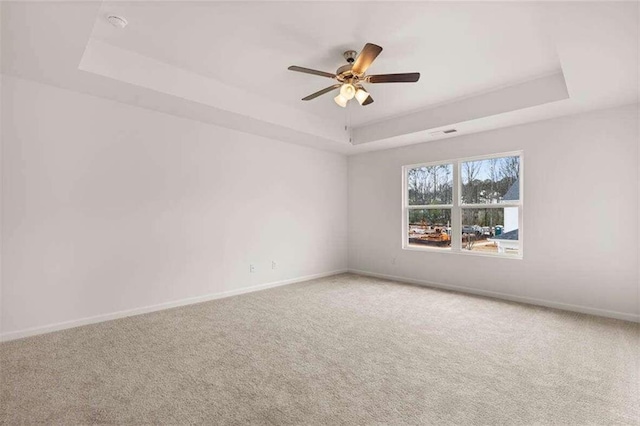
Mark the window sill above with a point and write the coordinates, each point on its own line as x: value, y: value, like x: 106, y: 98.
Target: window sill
x: 462, y: 252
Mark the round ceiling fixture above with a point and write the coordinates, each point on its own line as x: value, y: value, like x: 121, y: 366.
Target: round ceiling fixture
x: 117, y: 21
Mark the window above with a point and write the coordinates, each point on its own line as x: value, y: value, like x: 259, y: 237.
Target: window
x: 430, y: 199
x: 469, y: 205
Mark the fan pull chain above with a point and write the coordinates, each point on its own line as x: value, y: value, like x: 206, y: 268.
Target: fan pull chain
x: 347, y: 125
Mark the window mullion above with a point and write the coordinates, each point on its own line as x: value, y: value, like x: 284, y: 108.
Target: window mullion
x: 456, y: 217
x: 490, y: 206
x: 430, y: 206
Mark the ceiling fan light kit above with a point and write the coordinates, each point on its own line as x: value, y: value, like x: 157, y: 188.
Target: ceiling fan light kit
x: 351, y: 76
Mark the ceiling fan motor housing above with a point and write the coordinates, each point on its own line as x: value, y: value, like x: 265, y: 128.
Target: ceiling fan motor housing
x: 344, y: 74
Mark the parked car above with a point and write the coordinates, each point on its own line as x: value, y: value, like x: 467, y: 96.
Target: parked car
x: 487, y: 231
x: 471, y: 229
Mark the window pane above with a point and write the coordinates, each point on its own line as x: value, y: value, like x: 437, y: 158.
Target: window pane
x: 430, y: 185
x: 491, y: 230
x: 430, y: 228
x: 490, y: 181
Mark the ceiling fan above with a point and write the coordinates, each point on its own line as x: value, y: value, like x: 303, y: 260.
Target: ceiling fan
x: 352, y: 76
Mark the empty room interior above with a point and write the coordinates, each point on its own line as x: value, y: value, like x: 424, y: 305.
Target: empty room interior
x: 319, y: 213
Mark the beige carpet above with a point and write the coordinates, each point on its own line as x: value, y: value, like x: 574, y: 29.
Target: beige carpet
x: 340, y: 350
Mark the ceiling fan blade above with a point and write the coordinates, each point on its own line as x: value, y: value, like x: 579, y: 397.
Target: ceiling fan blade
x: 368, y: 54
x: 321, y: 92
x: 310, y: 71
x: 367, y: 101
x: 410, y: 77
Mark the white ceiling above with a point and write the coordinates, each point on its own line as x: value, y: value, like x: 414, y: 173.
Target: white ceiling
x: 251, y: 46
x: 227, y: 62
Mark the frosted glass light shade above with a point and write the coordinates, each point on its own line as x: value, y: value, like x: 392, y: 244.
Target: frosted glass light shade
x: 361, y: 95
x: 348, y: 91
x: 341, y: 100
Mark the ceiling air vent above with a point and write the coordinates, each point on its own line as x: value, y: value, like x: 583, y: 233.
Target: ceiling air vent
x: 442, y: 132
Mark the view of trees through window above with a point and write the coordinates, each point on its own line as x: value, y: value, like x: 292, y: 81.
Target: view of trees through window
x: 489, y: 204
x: 488, y: 181
x: 483, y: 217
x: 429, y: 185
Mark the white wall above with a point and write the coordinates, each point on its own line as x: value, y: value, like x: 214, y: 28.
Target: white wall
x: 580, y: 214
x: 108, y: 207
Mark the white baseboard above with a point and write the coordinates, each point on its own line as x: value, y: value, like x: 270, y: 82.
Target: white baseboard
x: 13, y: 335
x: 530, y: 301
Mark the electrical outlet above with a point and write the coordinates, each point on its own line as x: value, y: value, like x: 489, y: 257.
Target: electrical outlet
x: 252, y: 268
x: 393, y: 260
x: 273, y: 264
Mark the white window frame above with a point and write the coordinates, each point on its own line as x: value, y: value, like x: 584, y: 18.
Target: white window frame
x: 457, y: 207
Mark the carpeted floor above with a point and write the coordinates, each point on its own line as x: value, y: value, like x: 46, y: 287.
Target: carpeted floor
x: 340, y: 350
